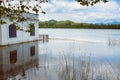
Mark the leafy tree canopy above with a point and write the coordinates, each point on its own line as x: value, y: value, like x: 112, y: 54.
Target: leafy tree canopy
x: 90, y: 2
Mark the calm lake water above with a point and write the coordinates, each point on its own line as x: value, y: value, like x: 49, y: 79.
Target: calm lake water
x: 69, y: 54
x: 100, y: 44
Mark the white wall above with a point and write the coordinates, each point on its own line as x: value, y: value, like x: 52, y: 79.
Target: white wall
x: 0, y: 35
x: 21, y: 35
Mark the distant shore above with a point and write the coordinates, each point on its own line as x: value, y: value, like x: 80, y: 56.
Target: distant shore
x: 71, y: 24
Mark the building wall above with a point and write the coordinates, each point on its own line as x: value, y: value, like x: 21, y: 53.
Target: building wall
x: 0, y: 35
x: 22, y: 36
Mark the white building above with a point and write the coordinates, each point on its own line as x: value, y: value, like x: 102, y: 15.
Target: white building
x: 9, y: 34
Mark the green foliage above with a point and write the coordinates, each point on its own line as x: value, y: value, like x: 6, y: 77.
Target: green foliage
x: 90, y: 2
x: 17, y: 28
x: 31, y: 25
x: 30, y: 28
x: 15, y: 11
x: 2, y: 22
x: 43, y: 12
x: 70, y: 24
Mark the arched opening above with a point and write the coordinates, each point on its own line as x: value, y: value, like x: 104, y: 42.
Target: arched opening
x: 32, y: 33
x: 12, y: 31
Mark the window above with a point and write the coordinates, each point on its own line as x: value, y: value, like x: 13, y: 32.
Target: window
x: 32, y: 50
x: 12, y: 31
x: 32, y: 33
x: 13, y: 57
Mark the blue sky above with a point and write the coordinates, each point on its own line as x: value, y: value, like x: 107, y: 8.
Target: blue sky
x: 71, y: 10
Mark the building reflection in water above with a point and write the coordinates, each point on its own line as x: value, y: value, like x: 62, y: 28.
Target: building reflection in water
x: 16, y: 60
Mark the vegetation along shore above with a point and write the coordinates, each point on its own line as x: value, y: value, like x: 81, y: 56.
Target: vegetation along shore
x: 71, y: 24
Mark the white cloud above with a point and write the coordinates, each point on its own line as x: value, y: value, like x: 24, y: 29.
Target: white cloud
x: 66, y: 10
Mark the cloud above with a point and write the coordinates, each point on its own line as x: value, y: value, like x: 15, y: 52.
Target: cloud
x: 71, y: 10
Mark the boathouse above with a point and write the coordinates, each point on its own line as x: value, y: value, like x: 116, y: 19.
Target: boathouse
x: 10, y: 35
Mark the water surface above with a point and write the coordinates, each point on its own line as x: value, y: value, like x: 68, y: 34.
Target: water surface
x: 69, y: 54
x: 96, y: 50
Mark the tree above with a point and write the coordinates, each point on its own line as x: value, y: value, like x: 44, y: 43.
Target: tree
x: 15, y: 11
x: 90, y: 2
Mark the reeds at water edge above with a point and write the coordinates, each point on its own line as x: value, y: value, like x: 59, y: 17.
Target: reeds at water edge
x: 85, y: 69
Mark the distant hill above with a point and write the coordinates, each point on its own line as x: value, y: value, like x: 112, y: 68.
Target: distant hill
x: 115, y: 22
x: 70, y: 24
x: 52, y: 21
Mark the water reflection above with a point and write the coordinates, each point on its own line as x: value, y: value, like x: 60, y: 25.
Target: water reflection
x: 114, y: 42
x: 59, y: 60
x: 69, y: 60
x: 19, y: 61
x: 103, y: 64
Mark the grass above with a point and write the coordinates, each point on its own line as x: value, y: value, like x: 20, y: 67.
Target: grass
x: 84, y: 69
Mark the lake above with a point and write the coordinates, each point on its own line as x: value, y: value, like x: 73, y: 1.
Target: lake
x: 101, y: 44
x: 82, y: 54
x: 69, y: 54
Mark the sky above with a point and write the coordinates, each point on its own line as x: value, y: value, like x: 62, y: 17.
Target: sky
x: 71, y: 10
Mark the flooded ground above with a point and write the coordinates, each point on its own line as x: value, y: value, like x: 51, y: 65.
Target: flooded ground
x: 70, y: 56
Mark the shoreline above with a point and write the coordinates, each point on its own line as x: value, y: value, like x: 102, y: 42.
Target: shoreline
x: 80, y: 28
